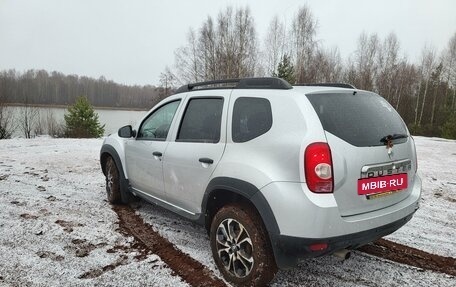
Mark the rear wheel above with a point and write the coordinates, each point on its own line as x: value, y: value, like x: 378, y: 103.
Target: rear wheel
x: 241, y: 247
x: 112, y: 181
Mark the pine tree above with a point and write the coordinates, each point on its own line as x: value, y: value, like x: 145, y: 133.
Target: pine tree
x: 82, y: 121
x: 285, y: 70
x: 4, y: 134
x: 449, y: 128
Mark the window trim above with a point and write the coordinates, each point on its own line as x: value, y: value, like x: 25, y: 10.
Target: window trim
x: 153, y: 112
x: 183, y: 116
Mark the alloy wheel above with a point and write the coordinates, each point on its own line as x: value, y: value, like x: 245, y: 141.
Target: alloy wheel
x: 234, y: 247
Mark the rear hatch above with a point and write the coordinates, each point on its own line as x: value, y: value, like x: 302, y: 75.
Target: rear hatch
x: 372, y: 151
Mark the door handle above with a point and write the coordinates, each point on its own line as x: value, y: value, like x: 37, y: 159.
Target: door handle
x: 206, y: 160
x: 157, y: 153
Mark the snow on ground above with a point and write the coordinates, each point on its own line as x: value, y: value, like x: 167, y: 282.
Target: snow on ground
x: 360, y: 270
x: 56, y: 226
x: 433, y: 228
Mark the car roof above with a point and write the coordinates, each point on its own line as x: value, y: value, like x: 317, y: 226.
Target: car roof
x: 263, y: 83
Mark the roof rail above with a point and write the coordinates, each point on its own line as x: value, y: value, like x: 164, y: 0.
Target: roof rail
x: 335, y: 85
x: 244, y: 83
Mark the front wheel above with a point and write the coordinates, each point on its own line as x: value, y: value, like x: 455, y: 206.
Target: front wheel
x: 112, y: 181
x: 241, y: 247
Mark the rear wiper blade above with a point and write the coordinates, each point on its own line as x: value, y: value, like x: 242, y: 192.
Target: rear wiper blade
x: 388, y: 138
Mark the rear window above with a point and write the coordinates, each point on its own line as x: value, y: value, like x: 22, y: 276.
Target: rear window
x: 362, y: 119
x: 202, y: 120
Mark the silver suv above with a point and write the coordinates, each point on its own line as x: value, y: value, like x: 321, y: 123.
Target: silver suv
x: 276, y: 173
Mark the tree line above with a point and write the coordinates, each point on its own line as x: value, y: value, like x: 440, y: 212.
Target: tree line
x: 424, y: 93
x: 38, y: 87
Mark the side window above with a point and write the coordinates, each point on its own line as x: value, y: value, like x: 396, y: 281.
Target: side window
x: 156, y: 126
x: 252, y: 117
x: 201, y: 121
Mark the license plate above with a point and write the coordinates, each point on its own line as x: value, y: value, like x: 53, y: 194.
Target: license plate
x: 381, y: 184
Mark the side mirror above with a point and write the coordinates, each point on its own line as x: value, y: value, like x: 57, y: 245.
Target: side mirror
x: 126, y: 132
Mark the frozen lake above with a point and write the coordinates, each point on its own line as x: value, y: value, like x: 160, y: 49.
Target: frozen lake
x: 112, y: 119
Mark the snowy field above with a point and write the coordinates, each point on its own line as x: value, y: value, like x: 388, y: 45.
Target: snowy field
x: 56, y: 228
x: 433, y: 228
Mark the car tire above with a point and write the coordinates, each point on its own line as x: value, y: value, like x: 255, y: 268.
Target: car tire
x: 241, y: 247
x: 112, y: 182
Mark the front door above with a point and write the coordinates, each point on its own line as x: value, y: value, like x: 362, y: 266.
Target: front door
x: 144, y: 154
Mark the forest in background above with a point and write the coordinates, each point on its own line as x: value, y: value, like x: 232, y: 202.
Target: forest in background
x: 39, y: 87
x: 228, y: 46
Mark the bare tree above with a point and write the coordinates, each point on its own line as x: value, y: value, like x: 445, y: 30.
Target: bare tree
x: 274, y: 44
x: 188, y: 60
x: 208, y: 47
x: 427, y: 66
x: 435, y: 80
x: 6, y: 121
x: 39, y: 128
x: 303, y: 43
x: 449, y: 70
x: 6, y: 114
x: 387, y: 82
x: 247, y: 43
x: 406, y: 82
x: 327, y: 65
x: 237, y: 43
x: 406, y: 90
x: 28, y: 117
x: 225, y: 48
x: 168, y: 81
x: 53, y: 127
x: 363, y: 69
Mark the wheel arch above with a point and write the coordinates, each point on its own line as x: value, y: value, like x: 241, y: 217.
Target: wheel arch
x: 224, y: 190
x: 106, y: 151
x: 109, y: 151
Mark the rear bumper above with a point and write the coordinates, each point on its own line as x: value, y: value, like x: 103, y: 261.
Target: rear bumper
x: 290, y: 250
x: 304, y: 218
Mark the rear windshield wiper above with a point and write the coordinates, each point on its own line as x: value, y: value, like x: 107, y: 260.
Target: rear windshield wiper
x: 390, y: 138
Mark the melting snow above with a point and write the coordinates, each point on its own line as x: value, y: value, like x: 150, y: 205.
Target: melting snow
x: 56, y: 227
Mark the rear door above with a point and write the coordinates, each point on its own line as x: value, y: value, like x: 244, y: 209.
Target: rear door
x: 198, y: 146
x: 373, y: 153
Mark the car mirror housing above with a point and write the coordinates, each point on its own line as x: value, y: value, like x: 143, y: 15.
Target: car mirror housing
x: 126, y: 132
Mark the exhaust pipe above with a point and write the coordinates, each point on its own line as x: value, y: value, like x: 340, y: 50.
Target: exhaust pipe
x: 343, y: 254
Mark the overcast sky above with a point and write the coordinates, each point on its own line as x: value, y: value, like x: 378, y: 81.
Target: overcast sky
x: 131, y: 42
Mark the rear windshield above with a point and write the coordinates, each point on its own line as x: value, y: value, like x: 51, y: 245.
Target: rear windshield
x: 362, y: 119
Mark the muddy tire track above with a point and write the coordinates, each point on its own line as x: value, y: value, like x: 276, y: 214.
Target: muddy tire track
x: 410, y: 256
x: 196, y: 274
x: 190, y: 270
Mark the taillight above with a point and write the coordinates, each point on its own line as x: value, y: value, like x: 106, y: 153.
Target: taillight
x: 318, y: 168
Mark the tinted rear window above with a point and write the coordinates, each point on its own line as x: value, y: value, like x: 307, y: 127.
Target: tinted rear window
x: 361, y: 120
x: 202, y: 120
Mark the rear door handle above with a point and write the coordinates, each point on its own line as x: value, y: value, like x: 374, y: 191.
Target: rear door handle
x: 157, y: 153
x: 206, y: 160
